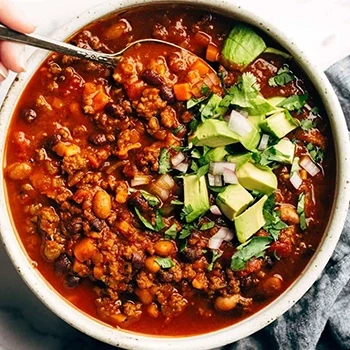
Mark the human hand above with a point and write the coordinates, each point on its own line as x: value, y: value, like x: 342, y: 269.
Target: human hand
x: 12, y: 55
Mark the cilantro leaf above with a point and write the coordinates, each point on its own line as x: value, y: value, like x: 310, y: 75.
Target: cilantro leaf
x: 171, y: 232
x: 145, y: 222
x: 316, y: 153
x: 207, y: 226
x: 186, y: 210
x: 301, y: 211
x: 202, y: 170
x: 307, y: 124
x: 164, y: 161
x: 153, y: 201
x: 165, y: 263
x: 273, y: 223
x: 178, y: 129
x: 215, y: 256
x: 185, y: 232
x: 283, y: 77
x: 159, y: 225
x: 294, y: 102
x: 254, y: 247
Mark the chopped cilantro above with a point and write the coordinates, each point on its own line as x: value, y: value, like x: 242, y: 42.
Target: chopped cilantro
x: 146, y: 223
x: 186, y: 231
x: 294, y: 102
x: 186, y: 210
x: 254, y: 247
x: 217, y: 189
x: 215, y: 256
x: 164, y: 263
x: 301, y: 211
x: 164, y: 161
x: 283, y: 76
x: 207, y: 226
x: 268, y: 156
x: 153, y: 201
x: 159, y: 225
x: 195, y: 101
x: 315, y: 110
x: 171, y: 232
x: 315, y: 152
x: 203, y: 170
x: 176, y: 202
x: 178, y: 129
x: 273, y: 223
x: 307, y: 124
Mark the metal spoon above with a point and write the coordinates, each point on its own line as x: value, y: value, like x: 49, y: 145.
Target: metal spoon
x: 68, y: 49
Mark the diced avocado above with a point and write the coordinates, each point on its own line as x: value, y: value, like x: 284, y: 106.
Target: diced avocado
x: 251, y: 140
x: 250, y: 221
x: 217, y: 154
x: 212, y: 108
x: 260, y: 106
x: 279, y: 124
x: 242, y: 46
x: 256, y: 120
x: 278, y: 52
x: 239, y: 159
x: 257, y: 178
x: 233, y: 200
x: 214, y: 133
x: 285, y: 150
x: 275, y: 100
x: 196, y: 196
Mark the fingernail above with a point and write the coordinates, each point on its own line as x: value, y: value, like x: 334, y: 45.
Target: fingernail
x: 3, y: 73
x: 23, y: 61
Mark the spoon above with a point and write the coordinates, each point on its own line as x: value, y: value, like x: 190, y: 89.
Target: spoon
x: 68, y: 49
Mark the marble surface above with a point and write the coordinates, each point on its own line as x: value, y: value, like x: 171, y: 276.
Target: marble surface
x: 321, y: 27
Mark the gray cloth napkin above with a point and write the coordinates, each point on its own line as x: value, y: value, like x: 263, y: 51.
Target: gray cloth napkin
x: 321, y: 319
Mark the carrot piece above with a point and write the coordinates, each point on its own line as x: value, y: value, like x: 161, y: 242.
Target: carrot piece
x: 182, y: 91
x: 201, y: 67
x: 212, y: 53
x: 202, y: 39
x: 84, y: 249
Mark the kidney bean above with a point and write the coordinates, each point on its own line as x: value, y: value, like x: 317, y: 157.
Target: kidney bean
x: 98, y: 139
x: 28, y: 114
x: 114, y: 110
x: 62, y: 264
x: 72, y: 281
x: 151, y: 77
x: 166, y: 93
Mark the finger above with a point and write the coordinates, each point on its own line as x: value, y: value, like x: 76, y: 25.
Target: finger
x: 13, y: 17
x: 3, y: 72
x: 12, y: 56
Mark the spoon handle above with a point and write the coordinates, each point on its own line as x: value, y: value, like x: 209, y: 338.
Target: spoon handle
x: 54, y: 45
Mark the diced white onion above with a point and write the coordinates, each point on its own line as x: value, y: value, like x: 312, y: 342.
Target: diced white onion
x: 230, y: 176
x: 162, y: 193
x: 309, y: 166
x: 214, y: 209
x: 217, y: 180
x: 263, y: 142
x: 211, y: 179
x: 224, y: 234
x: 296, y: 180
x: 239, y: 124
x: 217, y: 168
x: 140, y: 180
x: 177, y: 159
x: 182, y: 167
x: 165, y: 181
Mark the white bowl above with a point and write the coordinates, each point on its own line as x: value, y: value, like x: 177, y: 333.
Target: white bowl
x: 130, y: 340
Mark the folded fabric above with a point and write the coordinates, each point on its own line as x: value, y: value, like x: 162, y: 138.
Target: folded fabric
x: 321, y: 319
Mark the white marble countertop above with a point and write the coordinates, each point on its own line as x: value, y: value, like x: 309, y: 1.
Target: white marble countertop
x: 321, y: 27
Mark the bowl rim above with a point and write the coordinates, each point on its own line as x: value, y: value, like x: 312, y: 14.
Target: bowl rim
x: 125, y: 339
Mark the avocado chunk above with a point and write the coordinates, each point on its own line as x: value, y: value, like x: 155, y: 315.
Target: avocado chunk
x: 277, y: 52
x: 257, y: 178
x: 260, y: 106
x: 196, y: 197
x: 214, y: 133
x: 212, y: 108
x: 242, y: 46
x: 285, y: 150
x: 251, y: 140
x: 250, y: 221
x: 233, y: 200
x: 280, y: 124
x: 217, y: 154
x: 239, y: 159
